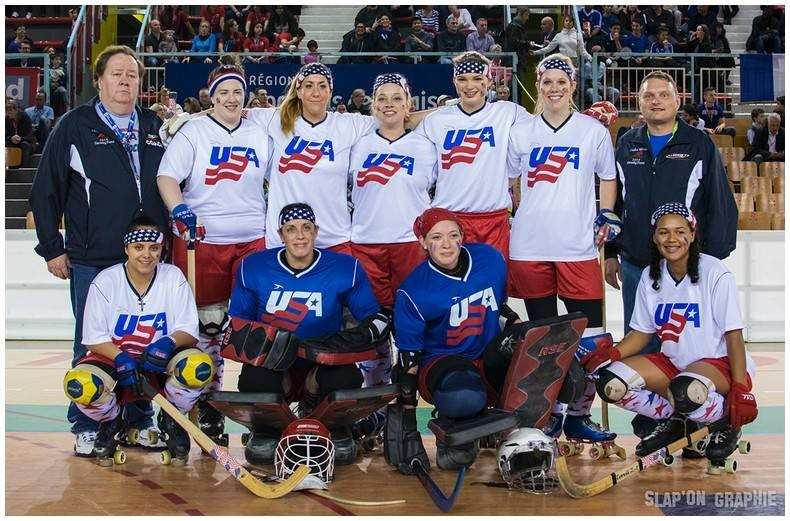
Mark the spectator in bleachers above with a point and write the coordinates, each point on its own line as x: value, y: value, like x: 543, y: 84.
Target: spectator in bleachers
x: 231, y: 40
x: 57, y: 85
x: 728, y: 12
x: 609, y: 17
x: 713, y: 114
x: 204, y: 41
x: 288, y: 42
x: 613, y: 42
x: 204, y: 99
x: 387, y: 39
x: 690, y: 115
x: 312, y: 55
x: 758, y: 122
x: 169, y: 45
x: 24, y: 49
x: 704, y: 16
x: 450, y: 41
x: 567, y: 42
x: 766, y: 29
x: 159, y: 110
x: 283, y: 21
x: 429, y: 18
x: 43, y: 117
x: 358, y: 40
x: 263, y: 98
x: 191, y: 105
x: 240, y: 15
x: 592, y: 15
x: 256, y: 15
x: 516, y: 39
x: 215, y: 16
x: 658, y: 17
x: 19, y: 131
x: 152, y: 40
x: 175, y: 18
x: 418, y: 40
x: 779, y: 108
x: 341, y: 108
x: 480, y: 40
x: 502, y: 92
x: 359, y: 102
x: 462, y: 18
x: 769, y: 142
x: 165, y: 99
x: 254, y: 103
x: 636, y: 40
x: 369, y: 15
x: 547, y: 32
x: 611, y: 93
x: 633, y: 13
x: 20, y: 36
x: 257, y: 42
x: 662, y: 45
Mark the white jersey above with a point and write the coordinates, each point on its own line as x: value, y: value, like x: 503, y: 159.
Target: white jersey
x: 690, y: 319
x: 114, y: 312
x: 554, y: 221
x: 472, y: 151
x: 390, y: 181
x: 224, y: 173
x: 311, y: 166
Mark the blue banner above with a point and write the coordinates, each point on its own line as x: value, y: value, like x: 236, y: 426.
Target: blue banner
x: 757, y: 77
x: 427, y: 81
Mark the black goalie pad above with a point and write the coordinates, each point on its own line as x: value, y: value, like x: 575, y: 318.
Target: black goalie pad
x: 251, y: 342
x: 335, y: 351
x: 253, y: 410
x: 454, y: 432
x: 345, y: 407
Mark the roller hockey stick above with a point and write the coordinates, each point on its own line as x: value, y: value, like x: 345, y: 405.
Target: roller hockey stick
x: 444, y: 503
x: 221, y: 454
x: 664, y: 454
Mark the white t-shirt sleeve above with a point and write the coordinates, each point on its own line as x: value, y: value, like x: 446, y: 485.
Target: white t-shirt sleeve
x: 725, y: 305
x: 185, y: 317
x: 422, y: 129
x: 640, y: 318
x: 604, y: 160
x: 94, y: 323
x: 179, y: 158
x: 521, y: 114
x: 514, y: 152
x: 261, y: 116
x: 362, y: 125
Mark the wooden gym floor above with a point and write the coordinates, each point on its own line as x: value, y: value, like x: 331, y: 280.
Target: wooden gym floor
x: 44, y: 478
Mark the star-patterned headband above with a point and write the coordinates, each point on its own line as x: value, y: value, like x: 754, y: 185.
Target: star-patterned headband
x: 144, y: 235
x: 674, y: 208
x: 224, y: 77
x: 314, y: 68
x: 556, y: 63
x: 471, y: 67
x: 296, y: 211
x: 391, y: 77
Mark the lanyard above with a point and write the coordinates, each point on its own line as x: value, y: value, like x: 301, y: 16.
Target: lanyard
x: 124, y: 137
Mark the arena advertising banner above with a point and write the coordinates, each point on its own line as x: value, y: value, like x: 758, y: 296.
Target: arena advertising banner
x: 428, y: 81
x: 21, y: 84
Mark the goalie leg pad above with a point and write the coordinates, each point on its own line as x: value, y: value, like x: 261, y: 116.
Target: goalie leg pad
x: 402, y: 440
x: 688, y: 392
x: 336, y: 377
x: 616, y: 380
x: 574, y: 385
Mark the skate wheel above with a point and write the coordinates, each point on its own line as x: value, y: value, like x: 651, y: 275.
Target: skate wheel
x: 245, y: 437
x: 119, y: 458
x: 565, y: 448
x: 104, y: 462
x: 744, y: 446
x: 165, y: 458
x: 713, y: 469
x: 668, y: 460
x: 700, y: 445
x: 133, y: 435
x: 730, y: 466
x: 578, y: 448
x: 596, y: 453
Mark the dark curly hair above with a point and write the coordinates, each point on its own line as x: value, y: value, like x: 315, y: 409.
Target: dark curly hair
x: 692, y: 268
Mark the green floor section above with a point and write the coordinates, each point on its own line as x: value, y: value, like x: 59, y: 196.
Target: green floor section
x: 52, y: 418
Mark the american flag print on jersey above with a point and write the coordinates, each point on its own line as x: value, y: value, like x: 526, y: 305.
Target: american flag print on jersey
x: 468, y: 315
x: 303, y: 155
x: 287, y: 309
x: 462, y: 146
x: 671, y: 319
x: 229, y: 163
x: 380, y: 168
x: 547, y: 163
x: 133, y: 333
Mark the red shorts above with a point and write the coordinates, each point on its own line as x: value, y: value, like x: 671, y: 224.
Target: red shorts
x: 343, y: 247
x: 388, y: 265
x: 215, y: 266
x: 422, y: 381
x: 490, y: 228
x: 666, y: 366
x: 578, y: 280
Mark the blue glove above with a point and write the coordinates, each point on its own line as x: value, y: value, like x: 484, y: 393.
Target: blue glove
x: 157, y: 354
x: 612, y: 223
x: 185, y: 220
x: 126, y: 369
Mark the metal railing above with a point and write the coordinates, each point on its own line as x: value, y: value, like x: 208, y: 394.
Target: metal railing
x: 76, y: 46
x: 140, y: 45
x: 43, y: 78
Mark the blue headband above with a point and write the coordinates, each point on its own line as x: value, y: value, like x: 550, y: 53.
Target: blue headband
x: 314, y: 68
x: 296, y: 211
x: 144, y: 235
x: 392, y: 77
x: 673, y: 208
x: 556, y: 63
x: 470, y: 67
x: 227, y: 76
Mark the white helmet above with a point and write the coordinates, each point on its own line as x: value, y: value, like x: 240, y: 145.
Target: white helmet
x: 526, y: 461
x: 305, y: 442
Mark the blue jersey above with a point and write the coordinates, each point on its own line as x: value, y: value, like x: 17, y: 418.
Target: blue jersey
x: 445, y: 315
x: 310, y: 302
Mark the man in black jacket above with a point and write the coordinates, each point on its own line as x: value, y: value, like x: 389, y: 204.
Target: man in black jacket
x: 769, y: 141
x: 450, y: 41
x: 19, y: 130
x: 99, y: 171
x: 664, y: 161
x: 358, y: 40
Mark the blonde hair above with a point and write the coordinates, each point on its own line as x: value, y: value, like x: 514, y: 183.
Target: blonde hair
x: 539, y: 98
x: 290, y: 108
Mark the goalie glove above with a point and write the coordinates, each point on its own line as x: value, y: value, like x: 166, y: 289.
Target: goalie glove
x: 604, y: 112
x: 171, y: 126
x: 606, y: 226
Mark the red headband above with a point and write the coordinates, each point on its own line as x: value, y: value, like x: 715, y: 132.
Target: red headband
x: 429, y: 218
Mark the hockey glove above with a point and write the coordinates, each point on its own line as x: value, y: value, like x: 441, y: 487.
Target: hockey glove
x: 126, y: 369
x: 157, y: 354
x: 741, y: 405
x: 186, y: 222
x: 606, y: 226
x: 604, y: 112
x: 171, y: 126
x: 599, y: 358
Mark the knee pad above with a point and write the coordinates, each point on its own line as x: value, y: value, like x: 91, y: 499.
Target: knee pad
x: 616, y: 380
x: 689, y: 391
x: 574, y: 384
x: 213, y: 319
x: 88, y: 384
x: 457, y: 388
x: 337, y: 377
x: 191, y: 368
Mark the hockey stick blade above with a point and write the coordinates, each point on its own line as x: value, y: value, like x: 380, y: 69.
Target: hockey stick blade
x: 578, y: 491
x: 222, y: 456
x: 444, y: 503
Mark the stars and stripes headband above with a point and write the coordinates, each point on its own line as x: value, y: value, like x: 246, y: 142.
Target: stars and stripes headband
x: 314, y: 68
x: 144, y: 235
x: 224, y: 77
x: 296, y: 211
x: 471, y: 67
x: 392, y: 77
x: 556, y: 63
x: 674, y: 208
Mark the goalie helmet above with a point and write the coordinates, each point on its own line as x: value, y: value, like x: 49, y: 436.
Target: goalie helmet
x: 305, y: 442
x: 526, y: 461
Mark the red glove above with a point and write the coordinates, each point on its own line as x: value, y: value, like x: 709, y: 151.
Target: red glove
x: 741, y: 405
x: 603, y: 111
x: 601, y: 357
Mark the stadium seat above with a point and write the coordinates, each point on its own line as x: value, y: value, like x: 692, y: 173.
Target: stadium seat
x: 13, y: 157
x: 731, y: 154
x: 744, y: 202
x: 740, y: 169
x: 772, y: 169
x: 778, y: 221
x: 779, y: 185
x: 754, y: 221
x: 722, y: 140
x: 770, y: 203
x: 756, y: 185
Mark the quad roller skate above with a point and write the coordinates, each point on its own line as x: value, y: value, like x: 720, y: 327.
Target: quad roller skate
x: 580, y: 431
x: 106, y: 444
x: 176, y: 439
x: 146, y: 437
x: 722, y: 444
x: 369, y: 431
x: 211, y: 422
